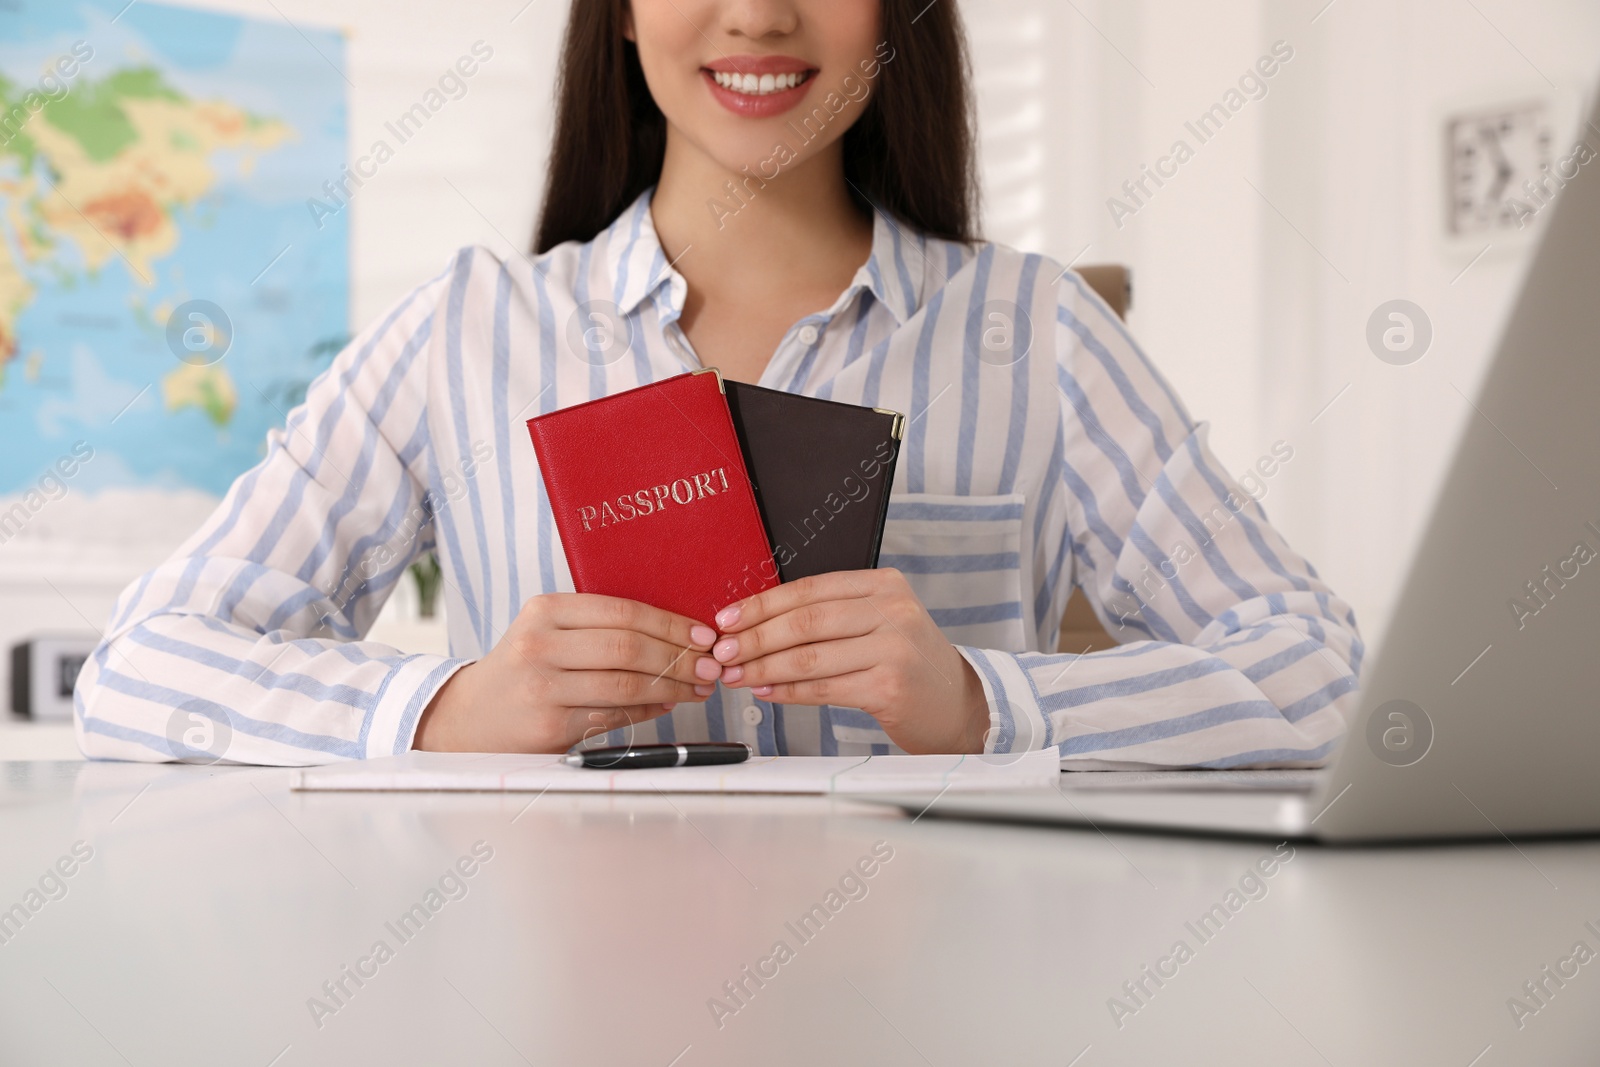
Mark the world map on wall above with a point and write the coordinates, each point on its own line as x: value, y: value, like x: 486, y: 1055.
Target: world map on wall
x: 164, y: 295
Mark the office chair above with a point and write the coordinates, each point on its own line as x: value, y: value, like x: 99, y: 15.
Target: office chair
x: 1081, y: 630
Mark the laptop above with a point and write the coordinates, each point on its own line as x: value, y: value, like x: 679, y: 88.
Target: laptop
x: 1480, y: 714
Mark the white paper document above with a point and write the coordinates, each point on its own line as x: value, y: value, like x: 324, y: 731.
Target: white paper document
x: 459, y: 772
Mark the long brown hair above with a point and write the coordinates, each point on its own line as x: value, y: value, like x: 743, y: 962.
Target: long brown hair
x: 911, y: 152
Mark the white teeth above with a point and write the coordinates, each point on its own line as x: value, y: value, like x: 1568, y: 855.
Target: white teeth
x: 751, y: 85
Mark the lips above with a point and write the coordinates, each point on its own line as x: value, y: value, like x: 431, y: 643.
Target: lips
x: 758, y: 86
x: 760, y: 65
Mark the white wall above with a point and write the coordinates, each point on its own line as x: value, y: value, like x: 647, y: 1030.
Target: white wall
x: 1256, y: 329
x: 1379, y: 459
x: 1260, y: 326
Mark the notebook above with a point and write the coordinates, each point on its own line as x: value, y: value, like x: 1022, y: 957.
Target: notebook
x: 474, y: 772
x: 651, y: 497
x: 822, y: 472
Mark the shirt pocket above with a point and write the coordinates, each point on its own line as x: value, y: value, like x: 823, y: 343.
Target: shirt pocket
x: 962, y: 556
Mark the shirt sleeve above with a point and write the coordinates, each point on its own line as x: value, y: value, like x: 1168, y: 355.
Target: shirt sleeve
x: 246, y: 645
x: 1232, y: 651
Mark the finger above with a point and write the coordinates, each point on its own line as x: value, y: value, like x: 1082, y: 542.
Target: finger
x: 835, y: 585
x: 825, y: 659
x: 591, y: 611
x: 627, y: 650
x: 810, y: 623
x: 841, y: 690
x: 620, y: 689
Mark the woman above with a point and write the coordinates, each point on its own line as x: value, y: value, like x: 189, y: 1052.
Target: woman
x: 783, y: 189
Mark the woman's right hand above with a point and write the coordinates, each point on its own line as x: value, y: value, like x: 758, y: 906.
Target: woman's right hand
x: 570, y: 666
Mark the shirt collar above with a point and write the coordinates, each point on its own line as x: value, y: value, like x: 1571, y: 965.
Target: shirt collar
x: 894, y: 273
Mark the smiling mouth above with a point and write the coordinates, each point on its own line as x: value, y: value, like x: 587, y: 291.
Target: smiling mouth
x: 760, y: 84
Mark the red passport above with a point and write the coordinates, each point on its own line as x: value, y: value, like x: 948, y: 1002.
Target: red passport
x: 652, y: 499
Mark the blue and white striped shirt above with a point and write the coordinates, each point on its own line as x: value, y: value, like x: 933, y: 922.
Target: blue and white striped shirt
x: 1035, y: 460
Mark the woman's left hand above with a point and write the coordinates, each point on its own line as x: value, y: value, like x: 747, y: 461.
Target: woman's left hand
x: 856, y: 639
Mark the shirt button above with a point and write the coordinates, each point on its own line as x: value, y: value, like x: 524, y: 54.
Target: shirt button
x: 752, y: 715
x: 808, y: 334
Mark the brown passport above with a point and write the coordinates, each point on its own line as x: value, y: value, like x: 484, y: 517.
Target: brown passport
x: 652, y: 499
x: 822, y: 472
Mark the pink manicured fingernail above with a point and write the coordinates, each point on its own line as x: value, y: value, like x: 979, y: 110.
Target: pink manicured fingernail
x: 704, y: 690
x: 728, y: 616
x: 702, y: 635
x: 708, y: 669
x: 726, y: 649
x: 732, y: 674
x: 762, y: 690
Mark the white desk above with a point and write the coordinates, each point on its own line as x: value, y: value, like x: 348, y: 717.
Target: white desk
x: 216, y: 903
x: 25, y: 739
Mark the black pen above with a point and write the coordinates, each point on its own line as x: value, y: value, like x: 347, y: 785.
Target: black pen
x: 640, y: 757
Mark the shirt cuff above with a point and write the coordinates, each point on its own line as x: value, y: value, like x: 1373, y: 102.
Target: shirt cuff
x: 401, y: 699
x: 1016, y: 721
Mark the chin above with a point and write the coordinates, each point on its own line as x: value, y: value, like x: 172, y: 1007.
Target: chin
x: 767, y: 148
x: 755, y: 155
